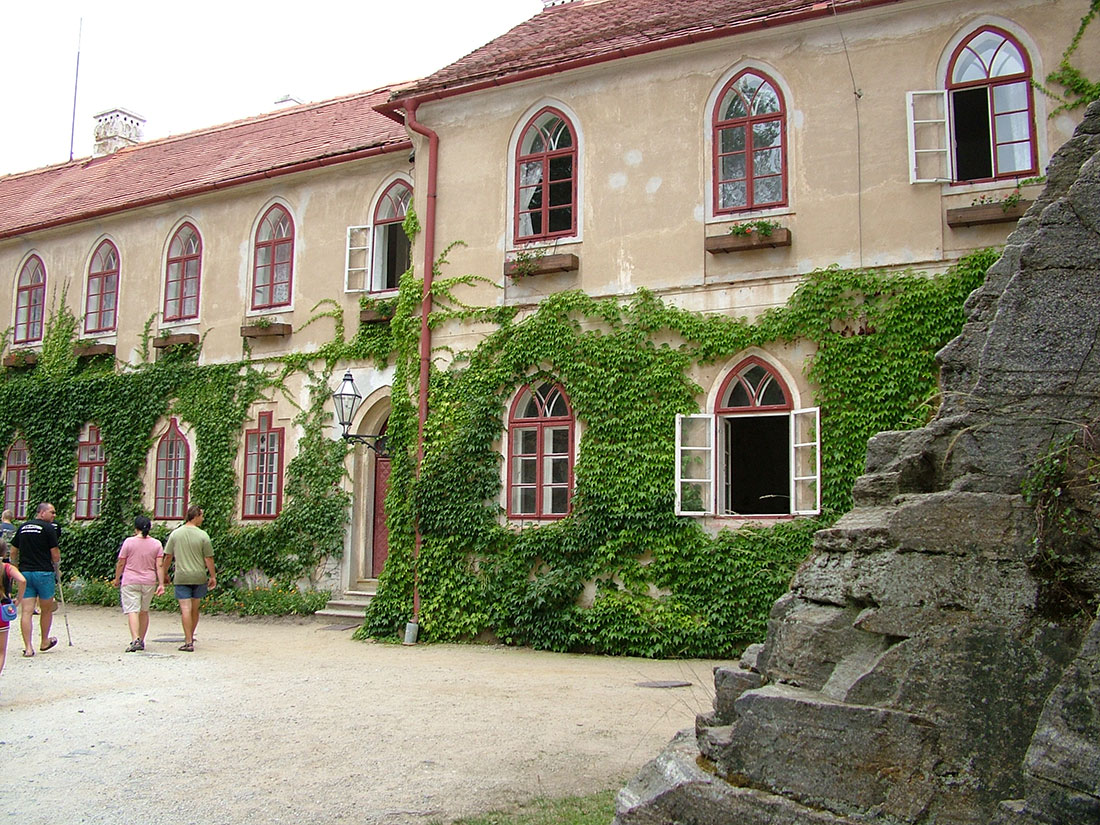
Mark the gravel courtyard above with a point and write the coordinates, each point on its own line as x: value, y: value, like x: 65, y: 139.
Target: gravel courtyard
x: 290, y: 721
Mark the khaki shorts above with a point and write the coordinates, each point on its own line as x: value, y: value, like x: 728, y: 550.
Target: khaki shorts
x: 136, y: 598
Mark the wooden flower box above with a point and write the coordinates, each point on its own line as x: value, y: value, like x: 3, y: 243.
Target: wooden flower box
x: 272, y: 330
x: 25, y: 358
x: 375, y: 316
x: 177, y: 339
x: 86, y: 350
x: 715, y: 244
x: 564, y: 262
x: 982, y: 213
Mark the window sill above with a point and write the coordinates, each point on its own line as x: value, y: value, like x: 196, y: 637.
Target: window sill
x: 92, y: 350
x: 717, y: 244
x: 986, y: 213
x: 565, y: 262
x: 174, y: 340
x: 264, y: 330
x: 26, y: 358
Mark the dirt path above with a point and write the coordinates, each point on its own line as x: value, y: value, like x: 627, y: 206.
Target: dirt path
x: 285, y: 721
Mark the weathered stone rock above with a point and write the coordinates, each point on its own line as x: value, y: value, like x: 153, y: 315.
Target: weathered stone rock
x: 832, y: 755
x: 996, y: 526
x: 674, y: 790
x: 991, y: 590
x: 751, y: 656
x: 1066, y: 747
x: 729, y: 683
x: 806, y: 640
x: 984, y: 686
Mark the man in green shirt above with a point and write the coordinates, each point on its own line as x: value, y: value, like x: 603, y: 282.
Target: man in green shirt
x: 190, y: 546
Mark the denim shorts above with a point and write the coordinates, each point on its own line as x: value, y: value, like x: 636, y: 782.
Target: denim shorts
x: 40, y: 584
x: 190, y: 591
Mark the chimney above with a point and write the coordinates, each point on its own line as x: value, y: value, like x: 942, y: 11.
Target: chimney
x: 116, y: 129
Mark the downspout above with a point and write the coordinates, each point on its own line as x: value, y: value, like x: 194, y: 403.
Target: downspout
x: 425, y: 332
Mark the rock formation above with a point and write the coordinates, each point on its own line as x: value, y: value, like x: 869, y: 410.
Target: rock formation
x: 937, y: 658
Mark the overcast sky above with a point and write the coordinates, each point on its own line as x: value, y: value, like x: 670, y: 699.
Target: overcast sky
x: 185, y: 66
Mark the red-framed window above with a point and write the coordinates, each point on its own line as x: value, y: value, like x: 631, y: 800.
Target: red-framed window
x: 992, y: 107
x: 263, y: 470
x: 17, y: 468
x: 273, y: 269
x: 91, y: 474
x: 750, y: 145
x: 30, y: 301
x: 755, y: 455
x: 546, y: 178
x: 392, y: 249
x: 173, y: 461
x: 540, y: 459
x: 181, y: 275
x: 101, y: 306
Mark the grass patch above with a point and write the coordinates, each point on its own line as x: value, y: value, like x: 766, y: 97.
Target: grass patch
x: 596, y: 809
x: 258, y: 601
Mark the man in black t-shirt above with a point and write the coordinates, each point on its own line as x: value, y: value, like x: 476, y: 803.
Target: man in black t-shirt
x: 39, y: 560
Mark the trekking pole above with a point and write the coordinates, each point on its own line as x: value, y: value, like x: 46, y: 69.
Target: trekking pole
x: 64, y: 611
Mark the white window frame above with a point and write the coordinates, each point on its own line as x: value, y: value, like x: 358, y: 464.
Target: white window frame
x: 365, y: 248
x: 707, y: 452
x: 797, y: 450
x: 929, y: 125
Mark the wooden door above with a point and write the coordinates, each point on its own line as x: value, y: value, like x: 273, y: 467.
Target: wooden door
x: 379, y: 533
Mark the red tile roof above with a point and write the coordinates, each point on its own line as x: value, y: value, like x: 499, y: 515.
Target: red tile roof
x: 289, y: 140
x: 592, y: 31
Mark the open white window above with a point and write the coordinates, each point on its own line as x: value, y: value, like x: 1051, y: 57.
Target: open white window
x: 357, y: 262
x: 694, y: 465
x: 981, y: 126
x: 755, y: 456
x: 929, y: 144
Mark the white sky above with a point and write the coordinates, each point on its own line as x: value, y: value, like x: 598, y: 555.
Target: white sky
x: 185, y: 66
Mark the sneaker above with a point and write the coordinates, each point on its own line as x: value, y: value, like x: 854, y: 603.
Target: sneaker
x: 132, y: 647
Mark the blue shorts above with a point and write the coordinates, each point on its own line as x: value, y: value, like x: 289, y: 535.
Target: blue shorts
x: 40, y: 584
x: 190, y: 591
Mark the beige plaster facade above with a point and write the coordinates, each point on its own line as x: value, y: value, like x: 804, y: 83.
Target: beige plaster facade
x: 644, y: 207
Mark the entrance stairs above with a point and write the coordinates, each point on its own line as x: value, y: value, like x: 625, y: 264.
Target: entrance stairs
x: 352, y: 605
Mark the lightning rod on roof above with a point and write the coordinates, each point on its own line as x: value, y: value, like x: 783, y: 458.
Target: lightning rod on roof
x: 76, y: 83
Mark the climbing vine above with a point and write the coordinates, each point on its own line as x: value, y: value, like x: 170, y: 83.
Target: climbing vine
x: 662, y: 586
x: 621, y: 574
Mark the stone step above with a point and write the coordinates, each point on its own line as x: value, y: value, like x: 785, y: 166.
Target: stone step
x: 352, y: 605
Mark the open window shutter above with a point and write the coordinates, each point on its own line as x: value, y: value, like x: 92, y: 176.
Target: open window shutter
x: 357, y: 263
x: 694, y: 465
x: 929, y: 137
x: 806, y: 461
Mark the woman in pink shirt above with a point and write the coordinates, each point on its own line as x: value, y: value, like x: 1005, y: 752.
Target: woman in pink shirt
x: 138, y: 569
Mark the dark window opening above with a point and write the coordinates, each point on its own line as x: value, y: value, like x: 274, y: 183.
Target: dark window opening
x: 973, y: 152
x: 757, y: 465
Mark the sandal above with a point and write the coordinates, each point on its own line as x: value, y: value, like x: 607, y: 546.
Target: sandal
x: 28, y: 654
x: 50, y: 644
x: 187, y: 648
x: 132, y: 647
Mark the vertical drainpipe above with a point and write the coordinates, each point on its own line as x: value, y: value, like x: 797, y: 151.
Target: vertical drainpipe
x: 425, y: 330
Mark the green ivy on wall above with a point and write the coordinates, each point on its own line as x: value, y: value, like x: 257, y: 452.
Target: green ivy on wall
x: 658, y: 584
x: 663, y: 587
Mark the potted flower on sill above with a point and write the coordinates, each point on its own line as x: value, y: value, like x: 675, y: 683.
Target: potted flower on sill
x: 374, y: 310
x: 759, y: 234
x: 986, y: 208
